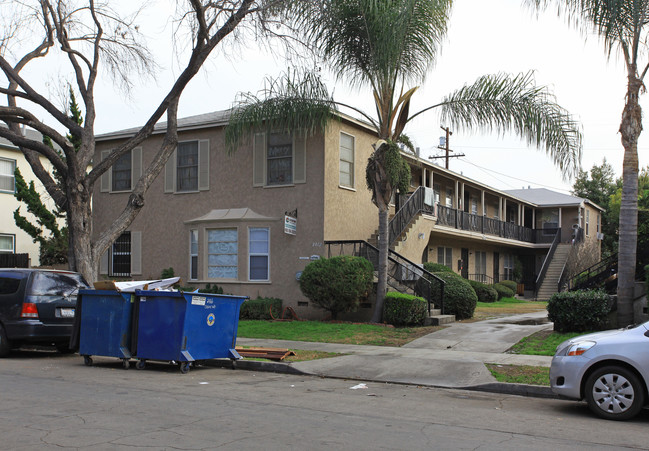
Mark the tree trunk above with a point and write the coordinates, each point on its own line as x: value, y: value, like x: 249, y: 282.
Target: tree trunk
x: 630, y: 129
x: 384, y: 247
x: 80, y: 229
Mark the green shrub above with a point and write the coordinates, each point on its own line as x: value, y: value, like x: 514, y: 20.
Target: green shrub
x: 167, y: 273
x: 402, y: 310
x: 509, y: 284
x: 503, y: 291
x: 337, y: 284
x: 485, y: 293
x: 459, y: 298
x: 261, y: 308
x: 579, y: 311
x: 214, y: 289
x: 436, y: 267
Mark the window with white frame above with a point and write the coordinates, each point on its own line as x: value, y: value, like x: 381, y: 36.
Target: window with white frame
x: 445, y: 256
x: 7, y: 244
x: 122, y: 173
x: 437, y: 189
x: 279, y: 159
x: 346, y: 160
x: 7, y: 178
x: 222, y: 254
x: 187, y: 166
x: 508, y: 266
x: 259, y: 253
x: 193, y: 254
x: 474, y: 206
x: 449, y: 197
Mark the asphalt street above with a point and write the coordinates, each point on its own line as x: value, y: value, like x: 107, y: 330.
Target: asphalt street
x: 49, y: 401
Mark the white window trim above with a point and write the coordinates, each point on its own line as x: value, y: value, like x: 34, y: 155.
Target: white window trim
x: 12, y: 176
x: 193, y: 255
x: 206, y: 254
x: 251, y: 254
x: 13, y: 243
x: 352, y: 175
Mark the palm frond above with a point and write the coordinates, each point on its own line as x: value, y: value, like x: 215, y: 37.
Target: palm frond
x: 513, y: 104
x: 294, y: 101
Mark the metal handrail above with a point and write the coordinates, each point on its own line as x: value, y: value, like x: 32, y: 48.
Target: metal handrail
x: 484, y: 278
x: 415, y: 204
x: 405, y: 274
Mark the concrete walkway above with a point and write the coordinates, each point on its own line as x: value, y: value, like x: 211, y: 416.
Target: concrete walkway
x: 453, y: 357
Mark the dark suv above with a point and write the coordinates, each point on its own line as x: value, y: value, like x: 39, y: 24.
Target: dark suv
x: 37, y: 306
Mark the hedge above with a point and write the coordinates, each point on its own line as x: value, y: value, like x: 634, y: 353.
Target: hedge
x: 509, y: 284
x: 485, y: 293
x: 503, y: 291
x: 579, y: 311
x: 402, y: 310
x: 260, y: 308
x: 436, y: 267
x: 459, y: 298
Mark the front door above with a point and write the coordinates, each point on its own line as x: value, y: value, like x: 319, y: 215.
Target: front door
x: 464, y: 270
x: 496, y: 267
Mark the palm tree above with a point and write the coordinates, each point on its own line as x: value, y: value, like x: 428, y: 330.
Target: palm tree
x: 387, y: 45
x: 623, y: 27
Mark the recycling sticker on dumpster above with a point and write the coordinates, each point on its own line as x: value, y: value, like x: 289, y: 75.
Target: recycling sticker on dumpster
x: 210, y: 319
x: 198, y: 300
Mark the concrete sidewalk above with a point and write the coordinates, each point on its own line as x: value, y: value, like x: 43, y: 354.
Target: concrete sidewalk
x: 453, y: 357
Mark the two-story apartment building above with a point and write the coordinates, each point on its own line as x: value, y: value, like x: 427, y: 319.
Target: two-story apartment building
x: 250, y: 222
x: 14, y: 240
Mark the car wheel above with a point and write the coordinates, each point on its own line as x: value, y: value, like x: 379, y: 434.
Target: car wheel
x: 5, y: 345
x: 614, y: 393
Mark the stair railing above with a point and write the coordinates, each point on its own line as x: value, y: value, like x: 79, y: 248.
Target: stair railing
x: 403, y: 275
x: 409, y: 209
x: 546, y: 262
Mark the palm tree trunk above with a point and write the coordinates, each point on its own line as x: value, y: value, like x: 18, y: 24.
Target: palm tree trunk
x: 383, y: 245
x: 630, y: 129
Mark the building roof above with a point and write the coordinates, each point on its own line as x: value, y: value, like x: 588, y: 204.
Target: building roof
x: 547, y: 198
x: 231, y: 214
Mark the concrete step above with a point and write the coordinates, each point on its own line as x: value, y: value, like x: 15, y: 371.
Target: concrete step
x: 435, y: 311
x: 439, y: 320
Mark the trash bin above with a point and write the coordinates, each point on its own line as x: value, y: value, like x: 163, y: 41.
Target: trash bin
x: 186, y: 327
x: 106, y: 325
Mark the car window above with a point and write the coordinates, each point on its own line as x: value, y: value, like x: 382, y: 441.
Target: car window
x: 9, y: 285
x: 53, y: 283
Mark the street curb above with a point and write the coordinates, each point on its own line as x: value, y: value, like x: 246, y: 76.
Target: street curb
x: 532, y: 391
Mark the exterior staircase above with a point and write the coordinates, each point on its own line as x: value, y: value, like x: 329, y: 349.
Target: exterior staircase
x: 550, y: 284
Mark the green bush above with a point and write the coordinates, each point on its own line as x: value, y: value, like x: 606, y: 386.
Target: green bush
x: 503, y: 291
x: 337, y: 284
x: 214, y: 289
x: 402, y: 310
x: 261, y: 308
x: 436, y: 267
x: 485, y: 293
x: 459, y: 298
x: 167, y: 273
x: 509, y: 284
x: 579, y: 311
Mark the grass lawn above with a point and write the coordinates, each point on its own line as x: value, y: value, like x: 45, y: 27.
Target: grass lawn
x: 505, y: 306
x: 517, y: 374
x: 332, y: 332
x: 544, y: 342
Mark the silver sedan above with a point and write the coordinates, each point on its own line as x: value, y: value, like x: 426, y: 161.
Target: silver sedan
x: 609, y: 369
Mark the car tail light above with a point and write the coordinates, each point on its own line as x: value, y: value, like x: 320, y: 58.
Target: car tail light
x: 29, y: 310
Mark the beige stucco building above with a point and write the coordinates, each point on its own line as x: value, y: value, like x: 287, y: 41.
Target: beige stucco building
x: 251, y: 221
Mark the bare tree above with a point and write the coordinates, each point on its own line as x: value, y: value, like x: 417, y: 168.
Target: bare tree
x: 91, y: 36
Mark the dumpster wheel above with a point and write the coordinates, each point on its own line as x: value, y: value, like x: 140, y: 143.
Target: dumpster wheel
x: 140, y: 365
x: 184, y: 367
x: 87, y: 360
x: 126, y: 363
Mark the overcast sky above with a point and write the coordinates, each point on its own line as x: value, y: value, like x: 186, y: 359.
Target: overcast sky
x: 484, y: 37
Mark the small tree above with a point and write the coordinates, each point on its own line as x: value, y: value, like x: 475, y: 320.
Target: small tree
x: 337, y: 284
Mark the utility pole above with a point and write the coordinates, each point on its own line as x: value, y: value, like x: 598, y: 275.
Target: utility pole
x: 446, y: 147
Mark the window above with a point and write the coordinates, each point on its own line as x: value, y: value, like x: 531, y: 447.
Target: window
x: 599, y: 219
x: 474, y: 206
x: 587, y: 221
x: 259, y: 253
x: 550, y: 220
x: 481, y: 266
x: 346, y: 160
x: 193, y: 254
x: 449, y: 197
x: 445, y: 256
x: 122, y: 173
x: 7, y: 243
x: 279, y: 159
x: 222, y: 254
x: 508, y: 267
x: 121, y: 256
x: 7, y: 179
x: 187, y: 166
x: 437, y: 189
x: 497, y: 210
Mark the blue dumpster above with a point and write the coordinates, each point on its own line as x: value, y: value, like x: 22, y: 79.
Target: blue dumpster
x: 186, y: 327
x: 106, y: 325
